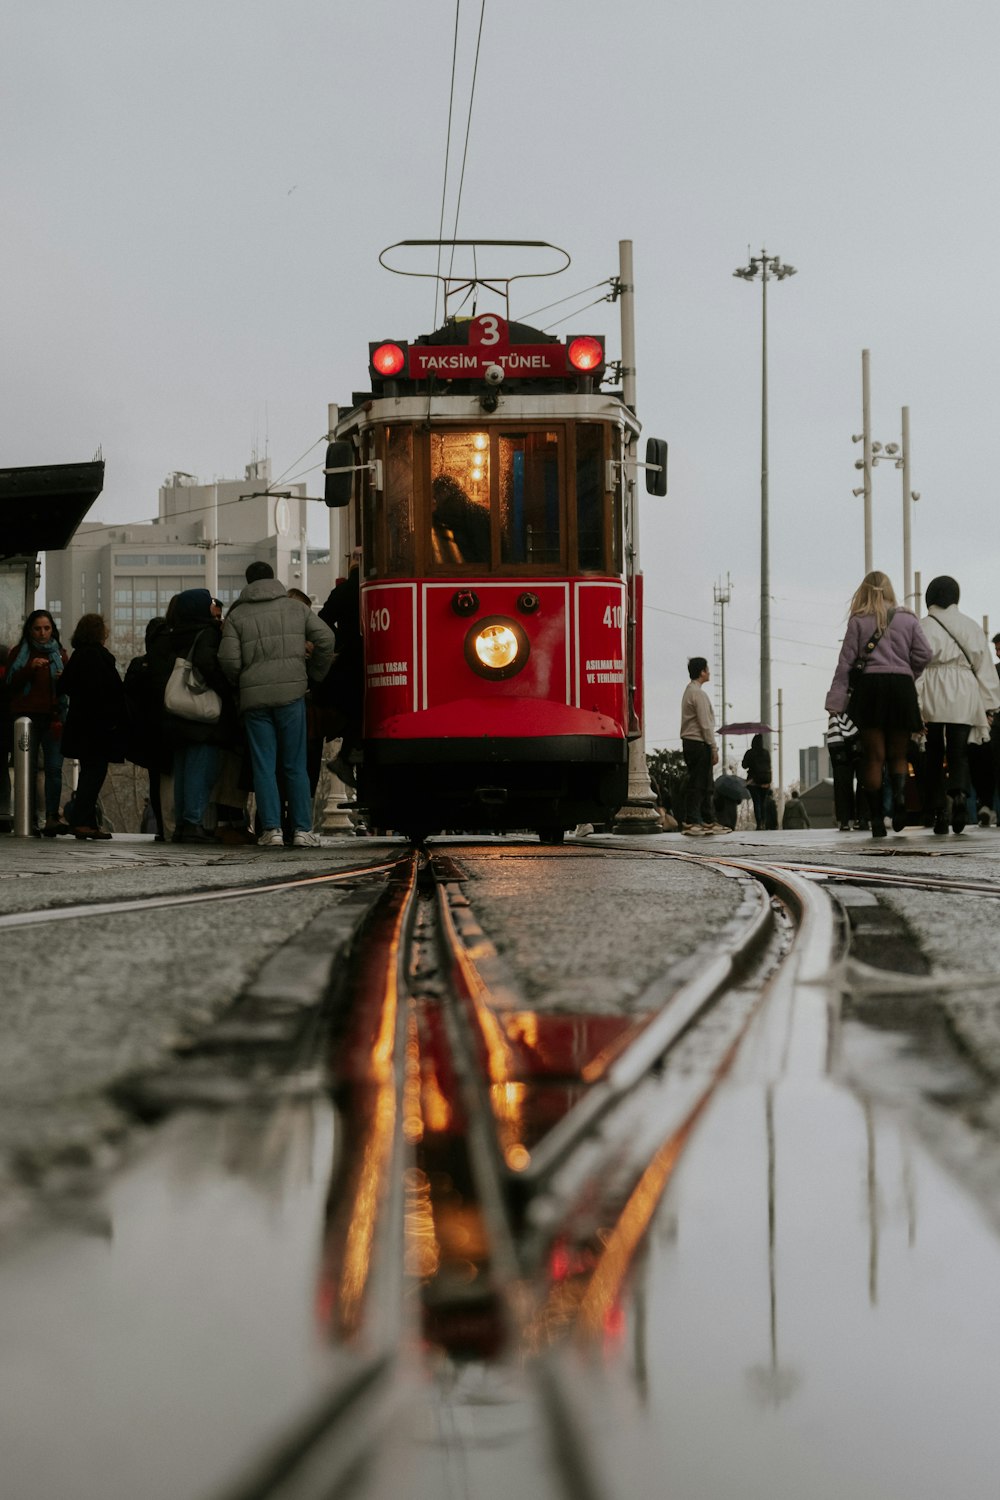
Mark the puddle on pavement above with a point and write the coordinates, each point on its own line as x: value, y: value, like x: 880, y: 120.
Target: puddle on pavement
x: 794, y: 1302
x: 816, y: 1308
x: 811, y: 1313
x: 151, y: 1357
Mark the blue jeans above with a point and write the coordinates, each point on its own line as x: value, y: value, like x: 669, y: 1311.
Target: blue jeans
x: 52, y: 760
x: 277, y: 738
x: 196, y: 768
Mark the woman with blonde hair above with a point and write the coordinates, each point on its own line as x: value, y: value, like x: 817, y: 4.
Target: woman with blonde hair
x: 883, y: 653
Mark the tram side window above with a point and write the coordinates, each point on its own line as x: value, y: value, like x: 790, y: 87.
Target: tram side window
x: 529, y: 498
x: 398, y: 499
x: 369, y: 510
x: 590, y: 496
x: 460, y: 500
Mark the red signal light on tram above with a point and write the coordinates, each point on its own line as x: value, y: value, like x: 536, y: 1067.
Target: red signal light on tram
x: 388, y: 360
x: 585, y: 354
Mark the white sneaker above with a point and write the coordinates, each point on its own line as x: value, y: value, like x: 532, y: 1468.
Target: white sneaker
x: 272, y: 838
x: 302, y: 839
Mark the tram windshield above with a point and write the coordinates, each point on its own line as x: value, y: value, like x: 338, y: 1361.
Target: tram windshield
x: 503, y: 498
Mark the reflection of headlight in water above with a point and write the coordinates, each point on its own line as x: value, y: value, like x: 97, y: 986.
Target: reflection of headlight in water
x: 496, y: 646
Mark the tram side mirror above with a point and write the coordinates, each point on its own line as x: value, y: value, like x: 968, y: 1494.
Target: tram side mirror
x: 339, y: 469
x: 656, y: 466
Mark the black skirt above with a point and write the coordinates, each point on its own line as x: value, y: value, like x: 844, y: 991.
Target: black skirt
x: 886, y: 700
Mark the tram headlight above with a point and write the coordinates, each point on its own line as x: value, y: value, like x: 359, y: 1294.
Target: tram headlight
x: 496, y: 647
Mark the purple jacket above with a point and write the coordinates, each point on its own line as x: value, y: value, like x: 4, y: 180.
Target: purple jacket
x: 902, y: 648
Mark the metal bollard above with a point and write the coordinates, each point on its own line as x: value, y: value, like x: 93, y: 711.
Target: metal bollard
x: 25, y: 755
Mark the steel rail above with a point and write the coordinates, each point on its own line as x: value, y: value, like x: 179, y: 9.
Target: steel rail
x: 186, y: 898
x: 889, y: 878
x: 363, y: 1254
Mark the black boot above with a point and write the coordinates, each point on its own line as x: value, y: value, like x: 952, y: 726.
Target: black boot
x: 875, y: 813
x: 898, y: 801
x: 959, y: 810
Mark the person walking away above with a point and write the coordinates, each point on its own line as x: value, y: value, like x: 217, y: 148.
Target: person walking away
x: 842, y: 743
x: 757, y: 764
x: 144, y: 740
x: 887, y: 650
x: 995, y: 733
x: 34, y: 669
x: 699, y: 748
x: 795, y: 814
x: 341, y: 694
x: 984, y: 761
x: 6, y: 746
x: 957, y: 690
x: 193, y: 634
x: 315, y: 717
x: 264, y: 654
x: 95, y: 721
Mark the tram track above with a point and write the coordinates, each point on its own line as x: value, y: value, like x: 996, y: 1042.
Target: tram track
x: 121, y: 906
x: 497, y: 1169
x: 512, y: 1186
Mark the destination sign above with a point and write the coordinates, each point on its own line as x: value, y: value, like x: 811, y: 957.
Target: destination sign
x: 489, y: 344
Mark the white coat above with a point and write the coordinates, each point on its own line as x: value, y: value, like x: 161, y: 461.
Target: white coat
x: 954, y: 689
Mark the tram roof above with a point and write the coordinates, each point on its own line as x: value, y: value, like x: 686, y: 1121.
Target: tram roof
x: 466, y: 410
x: 42, y: 505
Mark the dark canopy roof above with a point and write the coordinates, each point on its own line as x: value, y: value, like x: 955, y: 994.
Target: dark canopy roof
x: 41, y: 506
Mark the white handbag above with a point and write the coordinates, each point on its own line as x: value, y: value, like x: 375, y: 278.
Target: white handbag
x: 188, y: 694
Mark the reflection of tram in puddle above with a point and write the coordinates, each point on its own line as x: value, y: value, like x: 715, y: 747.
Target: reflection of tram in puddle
x: 534, y: 1070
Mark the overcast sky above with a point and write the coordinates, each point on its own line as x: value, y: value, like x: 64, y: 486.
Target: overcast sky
x: 194, y: 196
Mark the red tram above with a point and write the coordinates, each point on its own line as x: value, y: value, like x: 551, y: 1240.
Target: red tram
x: 488, y: 478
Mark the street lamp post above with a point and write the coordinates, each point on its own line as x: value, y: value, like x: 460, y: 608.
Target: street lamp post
x: 897, y: 454
x: 764, y: 268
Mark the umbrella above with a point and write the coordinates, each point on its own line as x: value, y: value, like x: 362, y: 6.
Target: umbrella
x: 746, y: 729
x: 733, y: 787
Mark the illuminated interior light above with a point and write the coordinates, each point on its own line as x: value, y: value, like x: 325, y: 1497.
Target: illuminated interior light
x: 497, y: 646
x: 480, y: 442
x: 477, y: 473
x: 388, y: 359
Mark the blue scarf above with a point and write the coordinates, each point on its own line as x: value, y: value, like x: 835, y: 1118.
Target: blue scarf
x: 51, y: 649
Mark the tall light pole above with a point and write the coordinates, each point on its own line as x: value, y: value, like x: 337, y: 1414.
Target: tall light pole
x: 764, y: 268
x: 897, y: 454
x: 722, y: 595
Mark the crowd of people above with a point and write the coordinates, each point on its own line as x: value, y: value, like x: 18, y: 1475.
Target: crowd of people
x: 214, y: 709
x: 910, y: 698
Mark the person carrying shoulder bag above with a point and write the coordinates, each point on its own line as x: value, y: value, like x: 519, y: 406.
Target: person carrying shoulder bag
x: 957, y: 692
x: 886, y: 649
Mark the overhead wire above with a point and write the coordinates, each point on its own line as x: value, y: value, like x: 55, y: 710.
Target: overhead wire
x: 609, y: 281
x: 742, y: 630
x: 447, y: 156
x: 574, y: 314
x: 468, y: 129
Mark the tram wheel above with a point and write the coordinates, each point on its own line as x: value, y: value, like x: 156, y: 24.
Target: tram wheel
x: 550, y: 834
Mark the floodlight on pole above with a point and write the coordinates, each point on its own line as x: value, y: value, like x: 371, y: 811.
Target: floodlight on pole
x: 764, y: 268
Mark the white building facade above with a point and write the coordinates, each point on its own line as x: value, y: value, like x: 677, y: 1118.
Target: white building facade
x: 205, y: 537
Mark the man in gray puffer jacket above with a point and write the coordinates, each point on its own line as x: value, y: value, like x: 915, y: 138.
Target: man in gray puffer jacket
x: 264, y: 652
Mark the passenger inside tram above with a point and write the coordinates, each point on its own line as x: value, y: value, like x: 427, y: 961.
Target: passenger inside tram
x: 461, y: 522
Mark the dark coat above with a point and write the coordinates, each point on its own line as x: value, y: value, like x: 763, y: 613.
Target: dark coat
x: 343, y: 685
x: 757, y: 762
x: 95, y: 723
x: 144, y: 741
x: 194, y: 641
